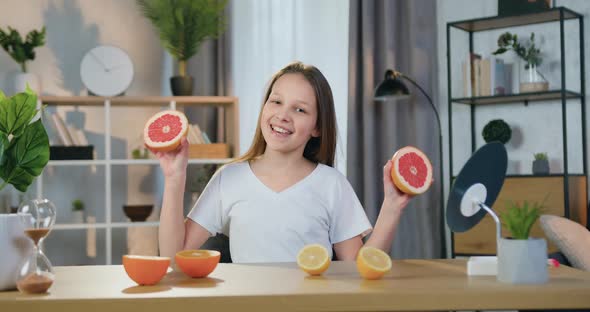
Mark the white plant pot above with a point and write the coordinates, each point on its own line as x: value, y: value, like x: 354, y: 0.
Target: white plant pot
x: 22, y: 79
x: 77, y: 216
x: 522, y: 261
x: 15, y: 247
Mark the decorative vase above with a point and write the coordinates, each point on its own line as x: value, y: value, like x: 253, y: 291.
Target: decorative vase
x: 15, y: 247
x: 522, y: 261
x: 540, y: 166
x: 181, y: 85
x: 77, y: 216
x: 22, y: 79
x: 531, y: 80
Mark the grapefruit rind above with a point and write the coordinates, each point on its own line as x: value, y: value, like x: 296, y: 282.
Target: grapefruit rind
x: 168, y: 145
x: 400, y: 181
x: 197, y: 263
x: 145, y: 270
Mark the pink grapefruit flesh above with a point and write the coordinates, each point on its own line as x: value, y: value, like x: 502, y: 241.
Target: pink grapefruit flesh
x: 411, y: 171
x: 164, y: 131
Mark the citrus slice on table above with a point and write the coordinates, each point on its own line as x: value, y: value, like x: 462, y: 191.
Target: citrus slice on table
x: 313, y: 259
x: 372, y: 263
x: 411, y: 171
x: 164, y: 131
x: 145, y: 270
x: 197, y: 263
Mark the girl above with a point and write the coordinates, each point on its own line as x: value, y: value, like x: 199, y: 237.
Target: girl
x: 284, y: 192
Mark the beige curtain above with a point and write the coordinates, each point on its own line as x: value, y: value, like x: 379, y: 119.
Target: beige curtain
x: 401, y: 35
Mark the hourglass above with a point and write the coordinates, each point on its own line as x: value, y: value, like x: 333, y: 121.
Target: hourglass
x: 35, y: 275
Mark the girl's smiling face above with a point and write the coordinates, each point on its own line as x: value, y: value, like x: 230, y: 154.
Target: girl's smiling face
x: 289, y: 116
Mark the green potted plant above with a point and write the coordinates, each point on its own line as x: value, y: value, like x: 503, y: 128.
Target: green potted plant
x: 23, y: 50
x: 540, y: 164
x: 24, y: 152
x: 77, y: 211
x: 531, y: 79
x: 24, y: 145
x: 522, y: 259
x: 183, y: 25
x: 497, y: 130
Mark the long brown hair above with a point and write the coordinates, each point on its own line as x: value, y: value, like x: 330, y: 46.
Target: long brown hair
x: 319, y: 149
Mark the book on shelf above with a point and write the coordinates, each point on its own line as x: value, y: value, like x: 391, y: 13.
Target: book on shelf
x: 67, y: 135
x: 62, y: 130
x: 486, y: 77
x: 196, y: 135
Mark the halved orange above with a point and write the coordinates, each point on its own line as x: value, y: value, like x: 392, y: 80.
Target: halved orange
x: 197, y: 262
x: 145, y: 270
x: 372, y: 263
x: 313, y: 259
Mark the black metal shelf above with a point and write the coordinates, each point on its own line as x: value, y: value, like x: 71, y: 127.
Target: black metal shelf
x: 519, y: 97
x: 496, y: 22
x: 560, y: 97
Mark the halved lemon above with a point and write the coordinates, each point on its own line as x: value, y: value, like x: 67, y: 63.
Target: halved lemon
x: 313, y: 259
x: 372, y: 263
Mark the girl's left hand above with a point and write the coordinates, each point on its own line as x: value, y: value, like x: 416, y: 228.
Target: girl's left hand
x: 392, y: 194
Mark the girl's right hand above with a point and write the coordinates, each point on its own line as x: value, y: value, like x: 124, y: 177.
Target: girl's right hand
x: 174, y: 163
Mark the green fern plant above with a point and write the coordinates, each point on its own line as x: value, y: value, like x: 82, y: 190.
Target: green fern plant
x: 540, y: 156
x: 183, y: 25
x: 21, y: 50
x: 519, y: 219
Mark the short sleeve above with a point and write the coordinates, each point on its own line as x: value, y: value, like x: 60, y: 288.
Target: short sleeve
x: 348, y: 218
x: 208, y: 210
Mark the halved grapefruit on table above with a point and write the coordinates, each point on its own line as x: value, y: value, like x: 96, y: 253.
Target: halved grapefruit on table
x: 197, y: 263
x: 411, y: 171
x: 145, y: 270
x: 164, y: 131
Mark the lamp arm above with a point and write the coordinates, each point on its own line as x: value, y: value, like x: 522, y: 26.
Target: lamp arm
x: 440, y: 155
x: 427, y: 97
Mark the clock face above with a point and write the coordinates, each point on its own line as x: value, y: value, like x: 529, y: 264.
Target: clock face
x: 106, y: 70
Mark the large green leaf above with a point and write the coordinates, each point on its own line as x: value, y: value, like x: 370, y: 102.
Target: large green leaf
x: 3, y: 145
x: 26, y: 157
x: 17, y: 112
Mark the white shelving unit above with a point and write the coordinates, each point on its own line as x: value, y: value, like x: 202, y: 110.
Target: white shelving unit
x: 228, y: 132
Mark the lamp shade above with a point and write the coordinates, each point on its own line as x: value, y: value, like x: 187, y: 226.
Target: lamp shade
x: 392, y: 86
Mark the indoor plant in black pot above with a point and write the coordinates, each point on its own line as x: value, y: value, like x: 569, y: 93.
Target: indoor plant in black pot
x: 541, y: 164
x: 183, y: 25
x: 522, y: 259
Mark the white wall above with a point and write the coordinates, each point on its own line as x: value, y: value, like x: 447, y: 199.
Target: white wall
x: 536, y: 127
x: 268, y: 34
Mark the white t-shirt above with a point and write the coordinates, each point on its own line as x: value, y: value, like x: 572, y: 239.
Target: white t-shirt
x: 266, y: 226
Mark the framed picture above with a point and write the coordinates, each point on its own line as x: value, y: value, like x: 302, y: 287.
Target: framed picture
x: 517, y: 7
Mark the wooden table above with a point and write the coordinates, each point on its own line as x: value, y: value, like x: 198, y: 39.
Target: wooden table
x: 411, y: 286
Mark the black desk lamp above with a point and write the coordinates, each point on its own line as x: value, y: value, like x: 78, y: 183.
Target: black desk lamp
x: 393, y: 87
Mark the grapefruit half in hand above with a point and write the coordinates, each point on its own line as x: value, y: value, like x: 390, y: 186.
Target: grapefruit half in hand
x: 411, y: 171
x: 164, y: 131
